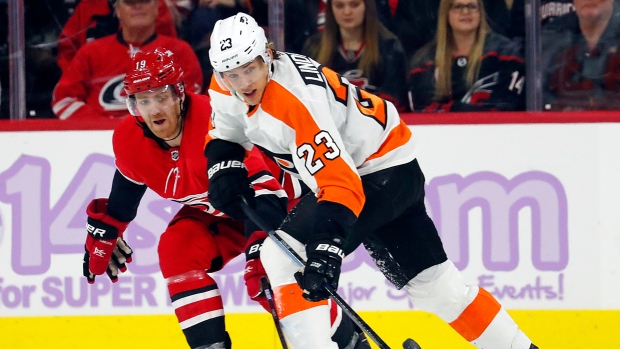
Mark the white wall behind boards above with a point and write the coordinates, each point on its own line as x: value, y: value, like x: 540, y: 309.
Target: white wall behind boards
x: 530, y: 211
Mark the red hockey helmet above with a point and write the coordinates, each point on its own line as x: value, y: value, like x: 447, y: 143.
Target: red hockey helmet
x: 153, y: 69
x: 150, y: 70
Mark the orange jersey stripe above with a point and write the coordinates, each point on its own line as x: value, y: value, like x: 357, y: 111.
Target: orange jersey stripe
x: 368, y: 104
x: 207, y: 140
x: 289, y: 300
x: 337, y: 181
x: 475, y: 319
x: 399, y: 136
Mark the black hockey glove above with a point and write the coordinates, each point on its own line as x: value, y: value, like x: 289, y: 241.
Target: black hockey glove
x: 322, y: 267
x: 332, y: 222
x: 228, y: 178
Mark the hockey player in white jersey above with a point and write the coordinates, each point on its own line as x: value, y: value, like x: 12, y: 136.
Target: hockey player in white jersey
x: 358, y: 158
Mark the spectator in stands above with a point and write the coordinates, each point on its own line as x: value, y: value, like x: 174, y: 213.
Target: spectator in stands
x: 303, y: 18
x: 94, y: 19
x: 41, y: 30
x: 91, y: 85
x: 467, y: 67
x: 415, y: 21
x: 356, y: 45
x: 582, y: 70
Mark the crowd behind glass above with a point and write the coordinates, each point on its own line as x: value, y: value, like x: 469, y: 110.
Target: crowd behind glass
x: 423, y: 55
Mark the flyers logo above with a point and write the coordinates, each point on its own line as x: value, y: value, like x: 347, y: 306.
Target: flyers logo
x: 284, y: 163
x: 367, y: 103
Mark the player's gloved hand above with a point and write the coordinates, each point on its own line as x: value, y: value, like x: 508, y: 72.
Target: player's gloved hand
x: 121, y: 255
x: 254, y: 270
x: 104, y: 240
x: 322, y: 267
x: 228, y: 178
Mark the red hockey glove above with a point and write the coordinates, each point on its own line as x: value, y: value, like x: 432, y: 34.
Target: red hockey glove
x: 121, y: 255
x: 102, y: 252
x: 254, y: 270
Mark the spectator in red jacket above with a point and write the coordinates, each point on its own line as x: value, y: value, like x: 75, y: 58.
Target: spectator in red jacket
x: 92, y: 83
x: 94, y: 19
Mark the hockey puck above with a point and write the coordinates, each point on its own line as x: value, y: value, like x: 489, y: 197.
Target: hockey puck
x: 410, y: 344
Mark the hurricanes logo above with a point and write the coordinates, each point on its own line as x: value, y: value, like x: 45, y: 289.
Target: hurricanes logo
x: 356, y: 77
x: 110, y: 95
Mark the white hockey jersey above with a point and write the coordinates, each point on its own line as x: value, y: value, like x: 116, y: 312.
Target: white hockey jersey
x: 317, y: 126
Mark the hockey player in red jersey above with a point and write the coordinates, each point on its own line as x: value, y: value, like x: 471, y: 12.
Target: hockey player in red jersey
x: 359, y: 159
x: 161, y: 148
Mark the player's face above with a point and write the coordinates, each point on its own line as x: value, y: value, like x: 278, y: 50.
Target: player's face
x: 464, y: 16
x: 349, y: 14
x: 136, y: 13
x: 249, y: 80
x: 161, y: 110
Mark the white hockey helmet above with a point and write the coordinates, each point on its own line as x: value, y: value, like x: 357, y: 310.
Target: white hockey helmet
x: 236, y: 41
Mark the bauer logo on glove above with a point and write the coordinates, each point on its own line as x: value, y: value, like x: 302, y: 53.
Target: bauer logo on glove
x: 95, y: 231
x: 331, y: 249
x: 225, y: 165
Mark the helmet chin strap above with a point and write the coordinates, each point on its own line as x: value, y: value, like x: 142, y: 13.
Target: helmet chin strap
x: 178, y: 134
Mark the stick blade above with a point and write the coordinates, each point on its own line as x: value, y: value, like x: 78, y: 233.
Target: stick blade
x: 410, y: 344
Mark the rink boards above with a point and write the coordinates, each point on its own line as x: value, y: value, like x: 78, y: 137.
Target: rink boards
x: 528, y: 210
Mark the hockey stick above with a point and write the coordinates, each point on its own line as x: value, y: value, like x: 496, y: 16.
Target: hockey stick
x: 333, y: 294
x: 272, y: 308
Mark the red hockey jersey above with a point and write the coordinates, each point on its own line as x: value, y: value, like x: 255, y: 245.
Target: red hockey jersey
x: 92, y: 84
x: 93, y: 19
x: 180, y: 173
